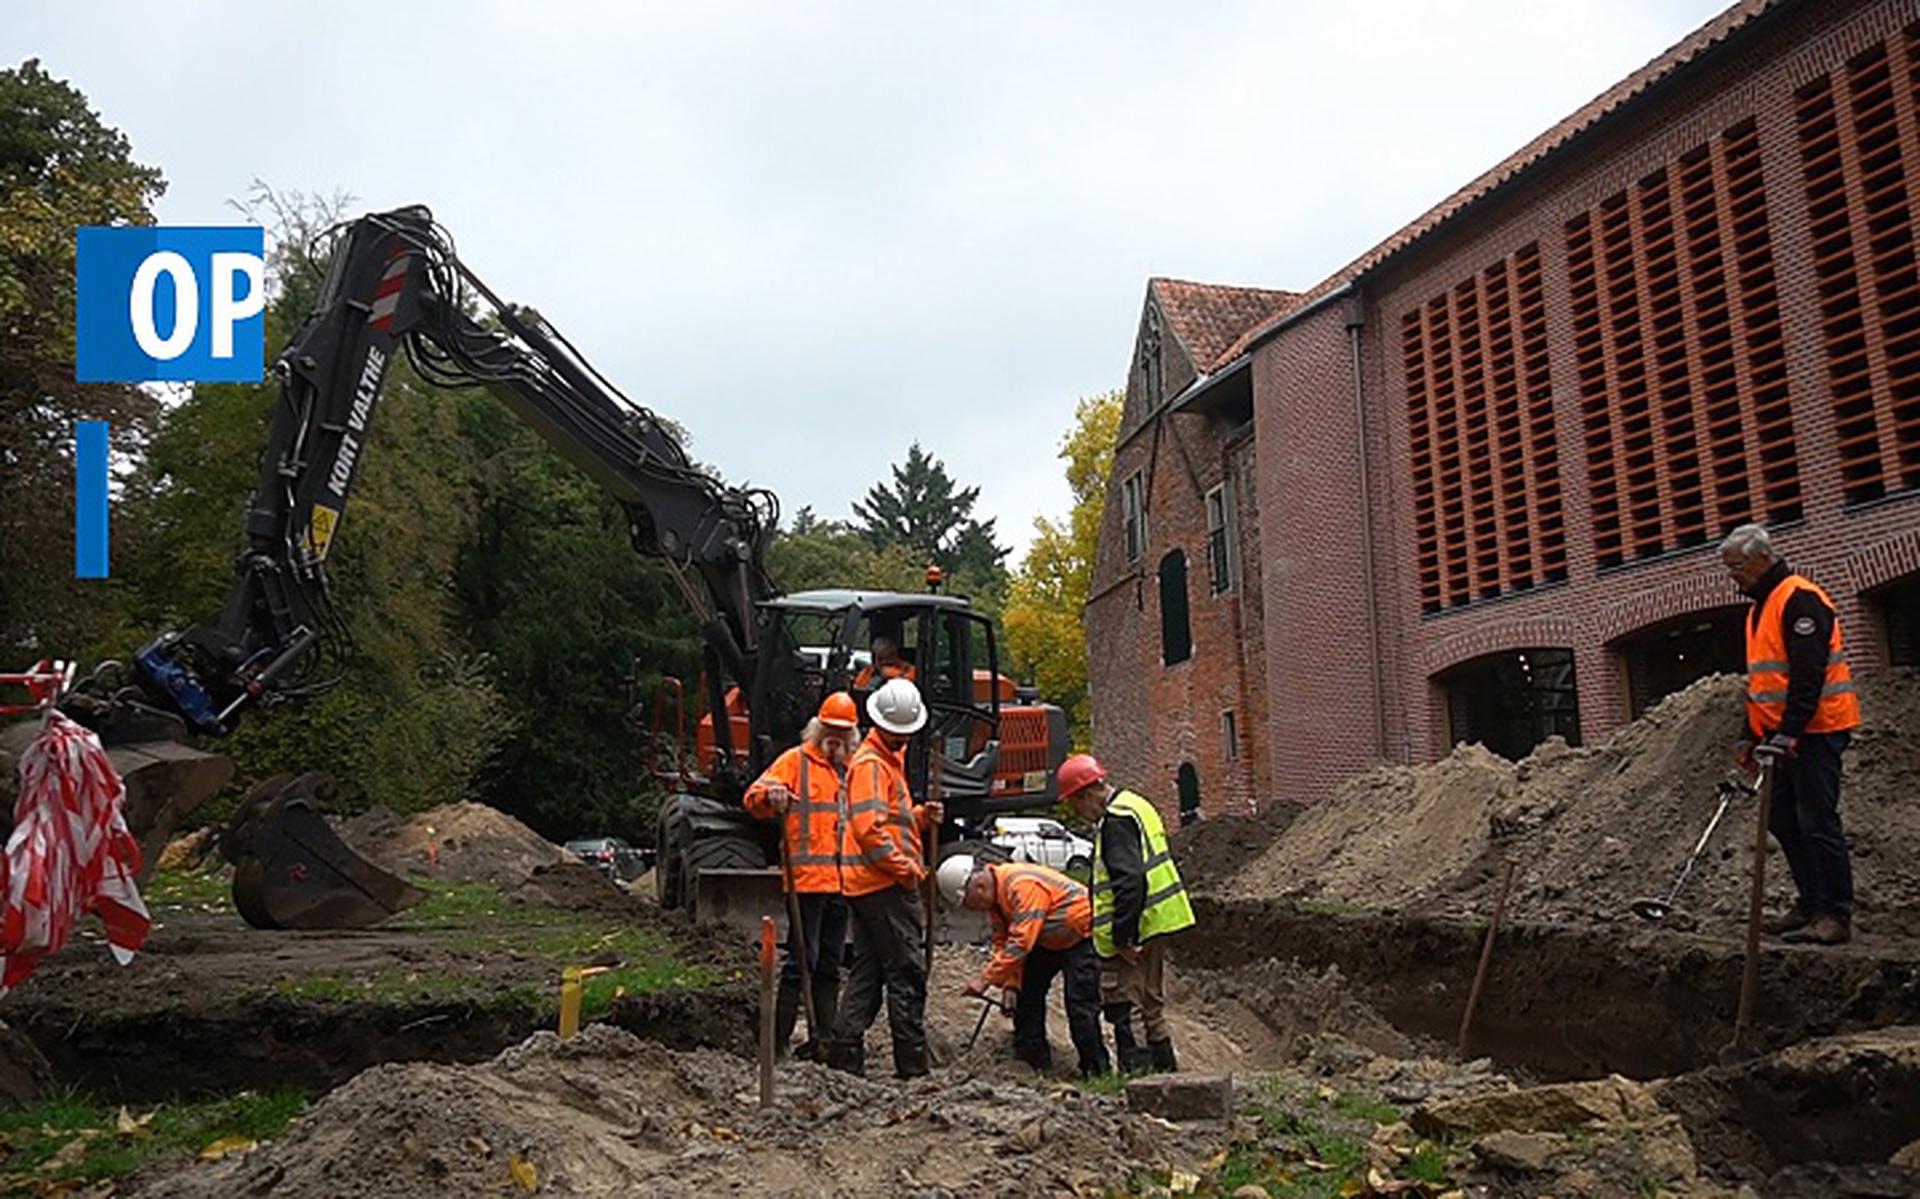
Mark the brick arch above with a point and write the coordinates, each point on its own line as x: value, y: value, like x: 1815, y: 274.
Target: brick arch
x: 1525, y: 633
x: 1696, y: 591
x: 1885, y: 560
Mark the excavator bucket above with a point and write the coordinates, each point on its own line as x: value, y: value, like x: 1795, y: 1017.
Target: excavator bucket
x: 290, y: 870
x: 738, y: 898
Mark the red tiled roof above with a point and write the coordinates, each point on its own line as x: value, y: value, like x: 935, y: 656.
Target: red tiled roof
x: 1586, y: 117
x: 1209, y: 317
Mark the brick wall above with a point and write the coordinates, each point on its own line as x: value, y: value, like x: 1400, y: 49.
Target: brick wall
x: 1149, y: 718
x: 1745, y: 110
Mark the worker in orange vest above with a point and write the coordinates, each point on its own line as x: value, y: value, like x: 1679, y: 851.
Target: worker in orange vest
x: 805, y: 789
x: 1042, y: 926
x: 1801, y: 711
x: 887, y: 664
x: 881, y: 869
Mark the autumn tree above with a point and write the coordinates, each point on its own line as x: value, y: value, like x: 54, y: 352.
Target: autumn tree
x: 61, y: 167
x: 1046, y: 600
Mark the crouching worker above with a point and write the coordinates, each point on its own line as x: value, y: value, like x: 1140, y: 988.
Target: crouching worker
x: 1041, y: 924
x: 805, y: 789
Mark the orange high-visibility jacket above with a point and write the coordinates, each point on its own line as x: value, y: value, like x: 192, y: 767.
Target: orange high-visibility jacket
x: 1839, y: 707
x: 887, y: 672
x: 1033, y: 905
x: 881, y: 844
x: 813, y: 819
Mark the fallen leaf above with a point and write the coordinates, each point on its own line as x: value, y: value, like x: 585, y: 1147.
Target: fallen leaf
x: 523, y: 1172
x: 1216, y: 1161
x: 1313, y: 1164
x: 129, y: 1125
x: 721, y: 1133
x: 1350, y: 1188
x: 225, y: 1146
x: 1182, y: 1183
x: 73, y: 1152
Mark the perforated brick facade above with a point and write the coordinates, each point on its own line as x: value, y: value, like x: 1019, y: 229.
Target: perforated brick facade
x: 1695, y: 303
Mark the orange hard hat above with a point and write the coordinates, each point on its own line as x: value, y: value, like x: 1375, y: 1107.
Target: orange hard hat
x: 1078, y: 773
x: 838, y: 710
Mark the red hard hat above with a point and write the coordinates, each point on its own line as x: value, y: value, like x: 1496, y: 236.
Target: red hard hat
x: 1078, y: 773
x: 838, y: 710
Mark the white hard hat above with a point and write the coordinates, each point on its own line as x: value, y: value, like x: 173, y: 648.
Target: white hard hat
x: 953, y: 876
x: 895, y: 706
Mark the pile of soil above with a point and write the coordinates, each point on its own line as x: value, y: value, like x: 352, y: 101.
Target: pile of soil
x: 576, y: 886
x: 1212, y: 851
x: 608, y: 1114
x: 1591, y: 829
x: 462, y: 842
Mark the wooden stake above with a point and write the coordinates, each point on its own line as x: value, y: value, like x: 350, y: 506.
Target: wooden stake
x: 1750, y: 971
x: 1486, y: 957
x: 766, y: 1011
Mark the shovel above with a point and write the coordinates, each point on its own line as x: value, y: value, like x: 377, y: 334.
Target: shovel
x: 1659, y: 909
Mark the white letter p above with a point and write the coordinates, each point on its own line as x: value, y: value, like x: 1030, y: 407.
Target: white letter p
x: 229, y: 309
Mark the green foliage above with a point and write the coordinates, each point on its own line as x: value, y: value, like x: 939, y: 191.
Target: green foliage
x: 60, y: 167
x: 815, y: 553
x: 1045, y: 634
x: 551, y: 590
x: 921, y: 512
x: 74, y: 1138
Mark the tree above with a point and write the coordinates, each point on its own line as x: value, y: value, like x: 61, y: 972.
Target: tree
x: 60, y: 167
x: 815, y: 553
x: 1047, y: 598
x: 923, y: 515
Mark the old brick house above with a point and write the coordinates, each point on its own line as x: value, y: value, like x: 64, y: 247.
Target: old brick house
x: 1469, y: 487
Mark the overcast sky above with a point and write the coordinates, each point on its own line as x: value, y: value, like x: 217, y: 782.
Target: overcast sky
x: 813, y: 233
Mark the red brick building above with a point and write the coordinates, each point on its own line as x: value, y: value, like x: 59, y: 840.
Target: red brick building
x: 1469, y: 488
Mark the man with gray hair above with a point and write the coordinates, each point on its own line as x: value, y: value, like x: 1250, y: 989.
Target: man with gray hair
x: 1801, y: 710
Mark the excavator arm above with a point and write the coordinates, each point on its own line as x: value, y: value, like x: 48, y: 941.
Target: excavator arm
x: 394, y: 285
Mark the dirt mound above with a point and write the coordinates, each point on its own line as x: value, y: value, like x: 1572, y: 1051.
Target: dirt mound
x: 1594, y: 828
x: 1386, y: 837
x: 459, y: 842
x: 1213, y: 850
x: 576, y: 886
x: 607, y: 1114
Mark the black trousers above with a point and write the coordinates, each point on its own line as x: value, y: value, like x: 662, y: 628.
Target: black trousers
x: 1805, y: 819
x: 888, y: 927
x: 1082, y: 996
x: 823, y: 917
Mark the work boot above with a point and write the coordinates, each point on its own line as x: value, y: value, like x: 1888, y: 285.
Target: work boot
x: 786, y: 1013
x: 1795, y: 919
x: 910, y: 1061
x: 1825, y: 929
x: 826, y: 1002
x: 1040, y: 1057
x: 1163, y: 1059
x: 849, y: 1057
x: 1128, y: 1054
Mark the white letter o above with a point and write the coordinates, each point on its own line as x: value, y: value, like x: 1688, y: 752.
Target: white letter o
x: 186, y: 305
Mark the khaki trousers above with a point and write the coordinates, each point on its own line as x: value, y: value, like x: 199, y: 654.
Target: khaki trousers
x: 1142, y: 984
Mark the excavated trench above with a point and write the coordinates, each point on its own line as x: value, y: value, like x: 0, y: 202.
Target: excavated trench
x: 155, y: 1055
x: 1568, y: 1001
x: 1565, y: 1002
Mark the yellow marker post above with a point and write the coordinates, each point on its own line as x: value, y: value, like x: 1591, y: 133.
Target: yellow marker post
x: 572, y: 991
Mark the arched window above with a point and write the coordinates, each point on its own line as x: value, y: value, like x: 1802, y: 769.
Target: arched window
x: 1188, y: 783
x: 1176, y: 639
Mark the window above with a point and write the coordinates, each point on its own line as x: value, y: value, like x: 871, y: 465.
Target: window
x: 1900, y: 608
x: 1176, y: 639
x: 1133, y: 507
x: 1187, y: 783
x: 1511, y: 702
x: 1153, y: 378
x: 1220, y: 547
x: 1230, y: 735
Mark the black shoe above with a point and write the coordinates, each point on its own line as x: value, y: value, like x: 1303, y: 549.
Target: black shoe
x: 1793, y: 920
x: 1163, y: 1059
x: 1824, y: 930
x: 786, y: 1013
x: 845, y: 1057
x: 910, y: 1062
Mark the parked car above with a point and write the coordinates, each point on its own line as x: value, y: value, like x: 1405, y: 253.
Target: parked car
x: 1042, y: 840
x: 611, y: 856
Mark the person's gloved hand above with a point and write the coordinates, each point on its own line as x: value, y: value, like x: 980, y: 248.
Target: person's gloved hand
x: 1779, y: 745
x: 1743, y: 753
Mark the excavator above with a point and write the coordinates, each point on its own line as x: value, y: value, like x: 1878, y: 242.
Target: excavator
x: 394, y: 284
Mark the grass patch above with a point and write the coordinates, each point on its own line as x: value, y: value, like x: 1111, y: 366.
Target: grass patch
x: 190, y: 890
x: 1328, y: 907
x: 74, y: 1139
x: 1356, y: 1106
x: 1113, y: 1083
x: 474, y: 918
